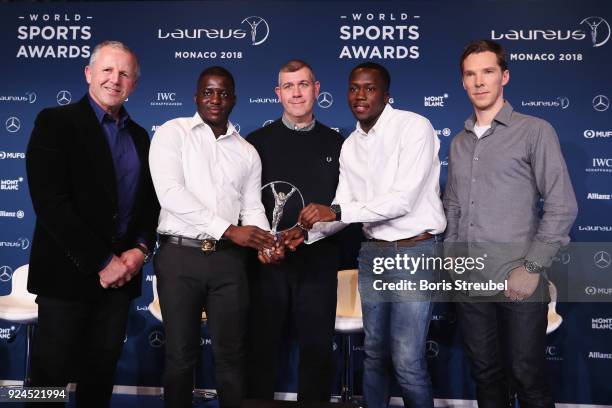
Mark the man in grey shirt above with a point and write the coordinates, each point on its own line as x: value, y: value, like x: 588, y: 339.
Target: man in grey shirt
x: 500, y: 166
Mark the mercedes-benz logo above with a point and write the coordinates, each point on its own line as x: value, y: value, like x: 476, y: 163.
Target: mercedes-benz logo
x: 267, y: 122
x: 5, y: 273
x: 431, y: 349
x: 258, y: 34
x: 325, y: 100
x: 602, y: 259
x: 601, y: 103
x: 13, y: 124
x: 157, y: 339
x: 237, y: 127
x: 24, y: 243
x: 600, y: 30
x: 64, y: 97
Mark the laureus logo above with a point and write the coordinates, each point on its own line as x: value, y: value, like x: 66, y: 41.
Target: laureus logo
x: 600, y: 30
x: 260, y: 30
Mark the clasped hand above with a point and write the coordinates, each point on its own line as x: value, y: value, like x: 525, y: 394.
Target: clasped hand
x: 314, y: 213
x: 121, y: 269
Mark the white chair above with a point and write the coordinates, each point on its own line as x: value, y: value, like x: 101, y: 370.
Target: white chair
x: 155, y: 310
x: 349, y: 320
x: 554, y: 318
x: 20, y: 307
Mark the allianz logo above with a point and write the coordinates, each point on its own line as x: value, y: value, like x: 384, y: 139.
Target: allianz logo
x: 598, y: 355
x: 597, y: 196
x: 12, y: 214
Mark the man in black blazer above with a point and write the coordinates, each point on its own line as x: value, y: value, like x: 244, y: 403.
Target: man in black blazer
x: 91, y: 189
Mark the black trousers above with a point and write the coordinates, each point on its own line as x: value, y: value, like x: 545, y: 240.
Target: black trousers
x: 80, y: 342
x: 302, y: 288
x: 189, y: 280
x: 506, y: 344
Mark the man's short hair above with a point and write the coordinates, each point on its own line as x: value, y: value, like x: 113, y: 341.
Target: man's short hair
x: 117, y: 45
x: 295, y: 65
x: 478, y: 46
x: 384, y: 74
x: 219, y: 71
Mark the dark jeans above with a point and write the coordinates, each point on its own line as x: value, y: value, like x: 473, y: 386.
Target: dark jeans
x: 506, y: 343
x: 189, y: 280
x: 303, y: 288
x: 80, y: 342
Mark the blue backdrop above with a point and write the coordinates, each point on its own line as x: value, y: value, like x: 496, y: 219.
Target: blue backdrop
x: 560, y: 54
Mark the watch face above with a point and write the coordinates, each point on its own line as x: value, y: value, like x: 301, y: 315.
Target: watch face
x: 532, y: 267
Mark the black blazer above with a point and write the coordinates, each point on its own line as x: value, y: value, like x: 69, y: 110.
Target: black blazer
x: 72, y: 184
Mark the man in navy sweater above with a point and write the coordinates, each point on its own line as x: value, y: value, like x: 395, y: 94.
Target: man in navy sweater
x: 302, y: 288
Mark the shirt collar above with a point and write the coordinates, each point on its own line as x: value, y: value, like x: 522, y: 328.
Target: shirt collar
x: 196, y: 120
x: 101, y: 114
x: 380, y: 122
x: 289, y: 124
x: 503, y: 116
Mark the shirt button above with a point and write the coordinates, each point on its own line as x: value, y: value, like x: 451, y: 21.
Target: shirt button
x: 471, y: 224
x: 473, y: 180
x: 472, y: 203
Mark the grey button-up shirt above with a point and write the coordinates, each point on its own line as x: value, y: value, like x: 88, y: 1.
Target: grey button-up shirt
x: 494, y: 185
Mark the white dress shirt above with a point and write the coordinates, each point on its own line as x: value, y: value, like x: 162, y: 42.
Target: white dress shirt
x: 389, y: 177
x: 204, y: 184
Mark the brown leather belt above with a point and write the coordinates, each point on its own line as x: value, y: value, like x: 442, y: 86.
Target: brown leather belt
x: 206, y: 245
x: 417, y: 238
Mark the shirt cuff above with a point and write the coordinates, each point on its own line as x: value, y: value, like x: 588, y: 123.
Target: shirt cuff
x: 141, y: 240
x: 350, y: 212
x: 542, y: 253
x: 218, y: 226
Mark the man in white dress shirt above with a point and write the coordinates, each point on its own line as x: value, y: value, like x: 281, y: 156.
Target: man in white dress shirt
x: 207, y: 179
x: 389, y: 170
